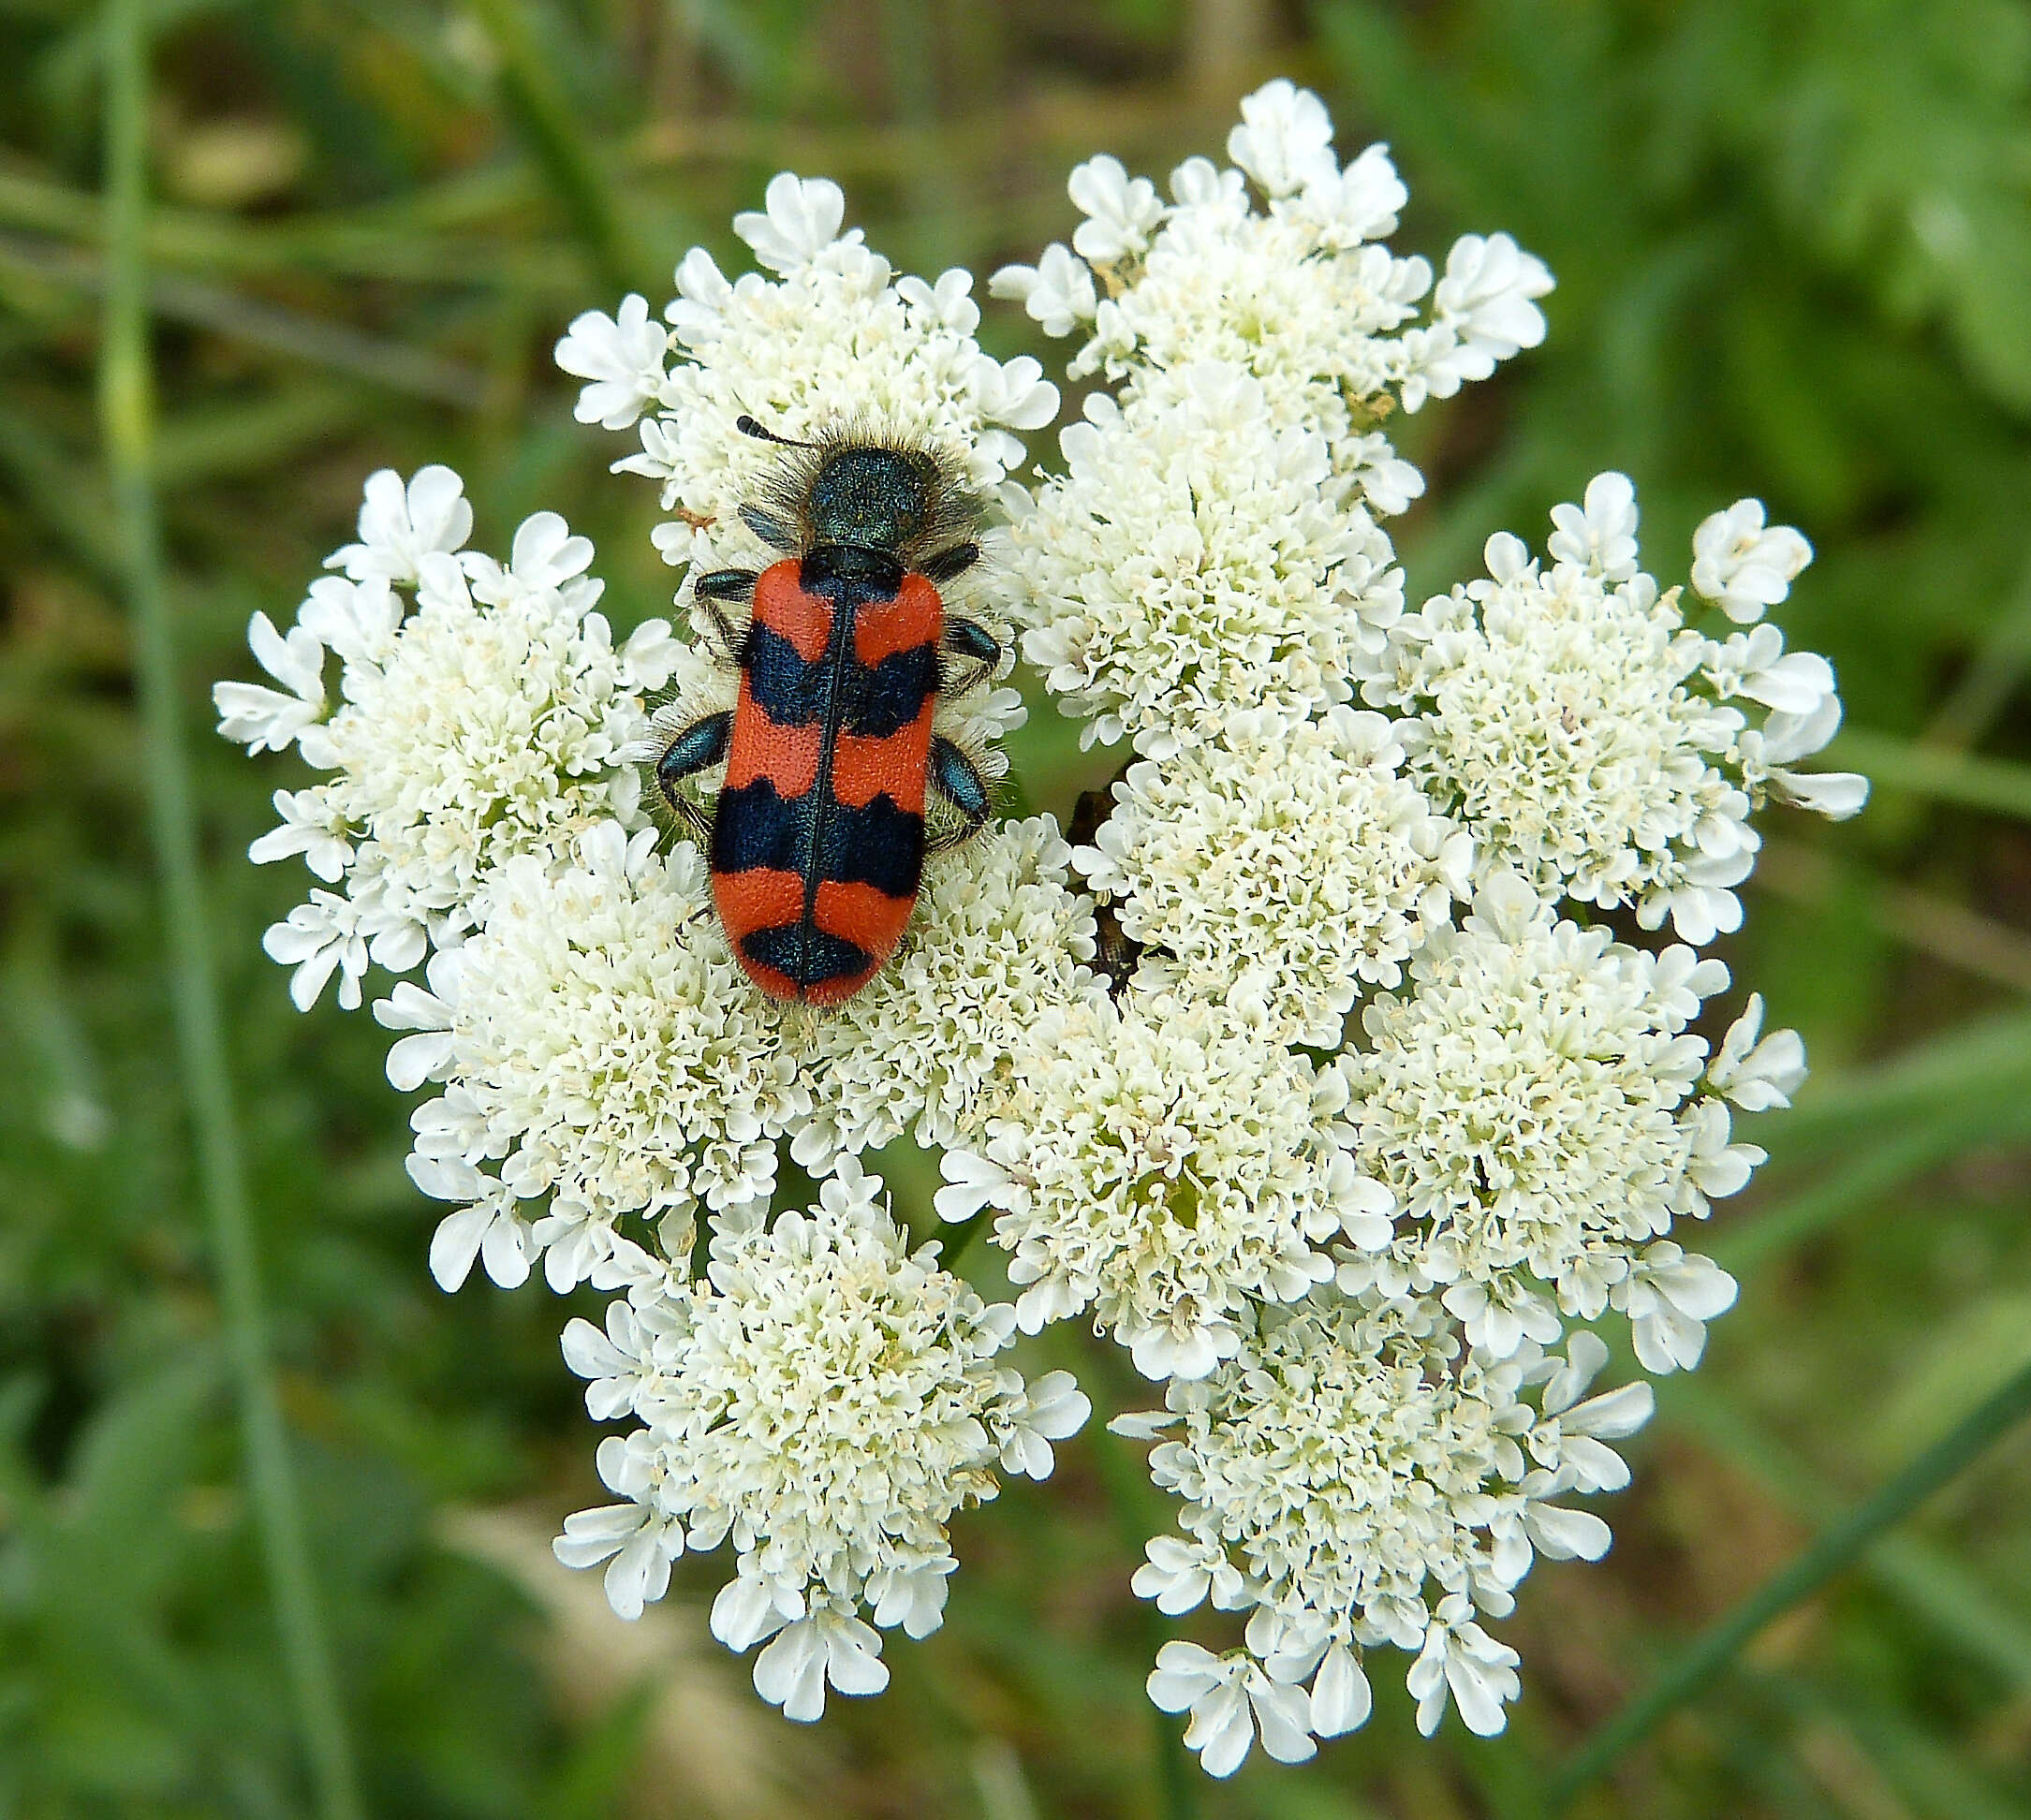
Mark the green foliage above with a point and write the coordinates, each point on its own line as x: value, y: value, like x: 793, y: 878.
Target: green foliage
x: 1793, y: 245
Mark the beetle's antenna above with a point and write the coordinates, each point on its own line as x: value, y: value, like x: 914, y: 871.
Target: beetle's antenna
x: 748, y: 426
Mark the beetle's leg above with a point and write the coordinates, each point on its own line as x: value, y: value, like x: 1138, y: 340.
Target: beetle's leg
x: 971, y: 641
x: 725, y: 585
x: 957, y: 779
x: 961, y: 557
x: 698, y: 748
x: 768, y: 528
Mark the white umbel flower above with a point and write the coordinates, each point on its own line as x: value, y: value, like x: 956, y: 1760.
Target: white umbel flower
x: 1121, y: 213
x: 1353, y: 1477
x: 1535, y: 1105
x: 1583, y: 732
x: 1300, y: 295
x: 1164, y: 1163
x: 825, y: 1401
x: 834, y: 339
x: 1289, y: 858
x: 601, y: 1053
x: 1360, y: 1269
x: 486, y: 723
x: 1196, y: 558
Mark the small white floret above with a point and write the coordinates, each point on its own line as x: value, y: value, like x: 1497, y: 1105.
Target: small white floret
x: 800, y: 218
x: 1600, y: 536
x: 1121, y: 214
x: 1459, y: 1658
x: 1756, y: 1074
x: 401, y: 524
x: 1669, y: 1295
x: 1231, y: 1700
x: 1743, y: 565
x: 1285, y: 140
x: 621, y: 357
x: 264, y: 719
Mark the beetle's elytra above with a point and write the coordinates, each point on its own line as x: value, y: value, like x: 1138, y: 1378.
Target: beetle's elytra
x: 817, y: 836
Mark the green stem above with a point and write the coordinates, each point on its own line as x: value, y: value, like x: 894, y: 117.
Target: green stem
x: 544, y: 114
x: 126, y: 406
x: 1836, y: 1549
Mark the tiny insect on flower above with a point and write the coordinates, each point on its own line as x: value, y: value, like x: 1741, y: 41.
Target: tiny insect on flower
x: 817, y: 836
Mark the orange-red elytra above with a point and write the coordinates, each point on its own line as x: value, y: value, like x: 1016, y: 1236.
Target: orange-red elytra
x: 817, y: 837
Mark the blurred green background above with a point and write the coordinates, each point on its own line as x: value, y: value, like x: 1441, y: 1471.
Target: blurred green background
x: 1793, y: 245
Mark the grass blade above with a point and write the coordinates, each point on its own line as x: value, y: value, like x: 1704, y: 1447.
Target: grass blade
x: 1973, y: 783
x: 540, y: 110
x: 1938, y: 1587
x: 1841, y: 1190
x: 1835, y: 1550
x: 337, y: 345
x: 1973, y: 1064
x: 127, y: 405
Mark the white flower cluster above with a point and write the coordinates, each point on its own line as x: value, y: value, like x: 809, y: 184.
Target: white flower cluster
x: 1164, y: 1163
x: 1329, y: 1103
x: 1002, y: 942
x: 1366, y: 1272
x: 1300, y: 294
x: 482, y: 724
x: 1534, y: 1106
x: 603, y: 1058
x: 824, y: 1400
x: 1213, y: 541
x: 607, y: 1078
x: 1575, y: 724
x: 1423, y: 1466
x: 836, y: 337
x: 1290, y: 858
x: 1196, y: 557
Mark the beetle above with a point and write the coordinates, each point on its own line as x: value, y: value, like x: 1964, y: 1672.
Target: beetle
x: 817, y: 838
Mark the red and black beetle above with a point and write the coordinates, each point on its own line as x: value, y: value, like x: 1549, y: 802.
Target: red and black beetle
x: 818, y: 837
